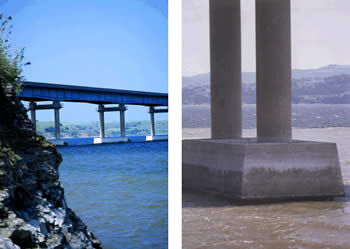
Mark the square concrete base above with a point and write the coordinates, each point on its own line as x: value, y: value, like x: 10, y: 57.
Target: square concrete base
x: 157, y: 138
x: 110, y: 140
x: 249, y: 170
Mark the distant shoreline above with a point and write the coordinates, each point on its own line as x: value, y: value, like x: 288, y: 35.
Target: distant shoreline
x: 92, y: 129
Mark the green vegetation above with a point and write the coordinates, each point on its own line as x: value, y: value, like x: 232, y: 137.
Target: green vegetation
x: 92, y: 129
x: 11, y: 60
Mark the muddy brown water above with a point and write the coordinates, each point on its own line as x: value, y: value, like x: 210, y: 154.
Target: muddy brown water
x: 212, y: 222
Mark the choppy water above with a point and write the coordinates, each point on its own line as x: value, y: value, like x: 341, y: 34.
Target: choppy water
x: 303, y: 116
x: 119, y: 191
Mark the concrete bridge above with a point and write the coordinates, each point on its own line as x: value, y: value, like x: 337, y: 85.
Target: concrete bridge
x: 36, y: 92
x: 272, y: 165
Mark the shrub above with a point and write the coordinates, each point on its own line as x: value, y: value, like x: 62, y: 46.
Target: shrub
x: 11, y: 60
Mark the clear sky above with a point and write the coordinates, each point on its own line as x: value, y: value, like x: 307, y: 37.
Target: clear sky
x: 320, y: 34
x: 120, y: 44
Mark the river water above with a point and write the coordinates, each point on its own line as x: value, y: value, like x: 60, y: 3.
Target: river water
x: 210, y: 222
x: 303, y: 115
x: 120, y: 191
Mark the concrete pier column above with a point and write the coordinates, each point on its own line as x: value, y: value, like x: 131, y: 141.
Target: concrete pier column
x: 57, y: 107
x: 273, y: 70
x: 32, y: 108
x: 102, y: 120
x: 122, y: 120
x: 151, y: 112
x: 225, y: 68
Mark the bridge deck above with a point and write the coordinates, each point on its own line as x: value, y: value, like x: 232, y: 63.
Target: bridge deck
x: 35, y: 91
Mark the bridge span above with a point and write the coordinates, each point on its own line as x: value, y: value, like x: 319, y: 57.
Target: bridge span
x: 36, y: 92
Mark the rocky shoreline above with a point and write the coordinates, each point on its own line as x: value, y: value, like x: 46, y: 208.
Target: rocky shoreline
x: 33, y: 210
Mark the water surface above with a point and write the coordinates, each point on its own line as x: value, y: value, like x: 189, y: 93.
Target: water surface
x: 119, y: 191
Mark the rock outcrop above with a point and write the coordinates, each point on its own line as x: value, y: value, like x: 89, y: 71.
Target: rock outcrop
x: 33, y: 210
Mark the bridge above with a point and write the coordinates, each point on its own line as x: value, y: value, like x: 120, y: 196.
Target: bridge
x: 36, y: 92
x: 272, y: 165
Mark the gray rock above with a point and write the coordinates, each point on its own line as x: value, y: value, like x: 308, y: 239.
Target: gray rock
x: 6, y: 243
x: 33, y: 210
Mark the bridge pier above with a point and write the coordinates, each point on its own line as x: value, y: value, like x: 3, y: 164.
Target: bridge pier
x: 102, y: 120
x: 122, y: 110
x: 32, y: 108
x: 56, y: 106
x: 153, y: 136
x: 271, y: 166
x: 103, y: 139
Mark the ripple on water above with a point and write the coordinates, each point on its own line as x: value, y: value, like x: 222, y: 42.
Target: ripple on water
x: 210, y: 222
x: 120, y: 192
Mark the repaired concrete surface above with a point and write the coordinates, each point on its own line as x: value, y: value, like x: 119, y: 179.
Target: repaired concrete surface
x: 109, y: 140
x: 246, y: 169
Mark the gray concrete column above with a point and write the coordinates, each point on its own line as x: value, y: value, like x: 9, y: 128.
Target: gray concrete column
x: 57, y: 107
x: 32, y: 108
x: 122, y: 120
x: 273, y: 70
x: 102, y: 120
x: 151, y: 112
x: 225, y: 68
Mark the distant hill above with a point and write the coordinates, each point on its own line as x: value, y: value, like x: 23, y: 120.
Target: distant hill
x: 92, y: 129
x: 327, y: 85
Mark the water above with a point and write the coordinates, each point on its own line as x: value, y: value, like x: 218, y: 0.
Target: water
x: 303, y: 116
x: 90, y: 140
x: 119, y: 191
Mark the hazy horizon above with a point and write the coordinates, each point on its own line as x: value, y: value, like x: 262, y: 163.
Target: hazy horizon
x: 293, y: 69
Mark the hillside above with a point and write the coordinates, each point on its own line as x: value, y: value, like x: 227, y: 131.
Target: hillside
x: 92, y: 129
x: 326, y: 85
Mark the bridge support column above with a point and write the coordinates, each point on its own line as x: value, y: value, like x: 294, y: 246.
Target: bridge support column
x: 151, y: 112
x: 122, y: 119
x: 32, y: 108
x: 103, y: 139
x: 57, y: 107
x: 225, y: 69
x: 102, y: 120
x: 153, y: 136
x: 273, y: 71
x: 271, y: 166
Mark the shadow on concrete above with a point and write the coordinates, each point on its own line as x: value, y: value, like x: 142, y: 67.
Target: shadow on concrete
x: 194, y: 199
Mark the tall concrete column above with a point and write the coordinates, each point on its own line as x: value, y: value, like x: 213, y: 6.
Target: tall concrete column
x: 102, y: 120
x: 32, y: 108
x: 151, y: 112
x: 57, y: 107
x: 122, y: 120
x: 225, y: 68
x: 273, y: 70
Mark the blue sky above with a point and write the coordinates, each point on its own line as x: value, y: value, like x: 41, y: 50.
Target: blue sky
x: 112, y: 43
